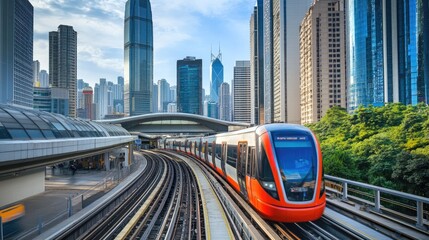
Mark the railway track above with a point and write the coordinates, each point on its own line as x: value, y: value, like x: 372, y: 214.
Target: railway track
x: 175, y: 212
x: 111, y: 226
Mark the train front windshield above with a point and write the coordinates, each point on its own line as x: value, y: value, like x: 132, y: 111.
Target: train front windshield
x: 297, y: 161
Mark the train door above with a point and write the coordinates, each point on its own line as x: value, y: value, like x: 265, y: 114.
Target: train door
x: 206, y: 149
x: 214, y: 154
x: 250, y: 168
x: 223, y: 157
x: 241, y: 167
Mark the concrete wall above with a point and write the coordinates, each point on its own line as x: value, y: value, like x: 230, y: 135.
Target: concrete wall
x: 22, y: 186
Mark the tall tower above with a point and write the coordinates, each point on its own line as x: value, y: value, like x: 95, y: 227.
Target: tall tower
x: 163, y: 95
x: 281, y: 53
x: 138, y: 57
x: 189, y: 85
x: 16, y: 52
x: 257, y: 64
x: 387, y: 52
x: 88, y: 96
x: 322, y: 60
x: 216, y: 76
x: 63, y: 63
x: 224, y: 102
x: 241, y: 92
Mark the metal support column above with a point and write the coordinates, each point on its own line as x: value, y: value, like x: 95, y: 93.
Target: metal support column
x: 106, y: 161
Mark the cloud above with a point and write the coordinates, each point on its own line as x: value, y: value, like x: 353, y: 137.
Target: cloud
x: 181, y: 28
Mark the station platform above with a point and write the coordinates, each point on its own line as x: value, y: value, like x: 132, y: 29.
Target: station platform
x: 51, y: 207
x: 216, y: 222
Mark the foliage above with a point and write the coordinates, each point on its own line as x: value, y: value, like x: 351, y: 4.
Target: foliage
x: 385, y: 146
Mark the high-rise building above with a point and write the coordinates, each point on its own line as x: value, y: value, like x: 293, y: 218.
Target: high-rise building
x: 42, y: 99
x: 216, y: 76
x: 241, y: 92
x: 189, y: 85
x: 163, y: 95
x: 387, y: 52
x: 79, y: 97
x: 63, y: 63
x: 88, y: 98
x: 44, y: 79
x: 211, y: 109
x: 36, y: 70
x: 173, y: 94
x: 224, y: 102
x: 281, y: 53
x: 257, y: 63
x: 322, y: 60
x: 138, y: 57
x: 16, y: 52
x: 155, y: 97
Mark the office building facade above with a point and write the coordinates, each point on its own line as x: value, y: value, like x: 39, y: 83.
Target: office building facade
x: 281, y: 53
x: 163, y: 95
x: 257, y: 64
x: 63, y: 63
x: 387, y: 59
x: 241, y: 92
x: 224, y: 102
x: 16, y: 52
x: 189, y: 85
x: 138, y: 57
x: 216, y: 76
x: 322, y: 60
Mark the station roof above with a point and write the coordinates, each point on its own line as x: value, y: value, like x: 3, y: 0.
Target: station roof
x: 20, y: 123
x: 175, y: 123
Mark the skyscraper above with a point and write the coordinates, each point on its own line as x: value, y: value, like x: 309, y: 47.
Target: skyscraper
x: 155, y: 97
x: 163, y: 95
x: 216, y: 76
x: 44, y: 79
x: 322, y: 60
x: 16, y: 52
x: 257, y: 64
x: 63, y: 63
x: 36, y: 70
x: 138, y: 57
x: 241, y: 92
x: 101, y: 99
x: 281, y: 51
x: 88, y: 96
x: 189, y: 85
x: 388, y: 52
x: 224, y: 102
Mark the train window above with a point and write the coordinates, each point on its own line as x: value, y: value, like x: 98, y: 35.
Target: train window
x: 265, y: 172
x: 218, y: 151
x: 232, y: 155
x: 209, y: 148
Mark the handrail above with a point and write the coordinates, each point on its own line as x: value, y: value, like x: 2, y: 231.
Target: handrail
x: 377, y: 199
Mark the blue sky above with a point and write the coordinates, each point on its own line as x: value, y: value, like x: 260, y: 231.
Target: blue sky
x: 181, y: 28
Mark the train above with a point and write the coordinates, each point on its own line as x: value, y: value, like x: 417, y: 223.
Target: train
x: 276, y: 168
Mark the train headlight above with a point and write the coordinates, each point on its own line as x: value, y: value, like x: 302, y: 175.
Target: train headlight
x: 269, y: 186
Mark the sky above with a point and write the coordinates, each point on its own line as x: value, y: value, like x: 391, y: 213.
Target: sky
x: 181, y: 28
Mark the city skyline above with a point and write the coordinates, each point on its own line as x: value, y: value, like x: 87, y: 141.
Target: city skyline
x: 175, y: 31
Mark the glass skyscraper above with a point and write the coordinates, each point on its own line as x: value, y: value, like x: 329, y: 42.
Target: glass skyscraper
x: 189, y: 85
x: 138, y: 57
x: 63, y: 64
x: 216, y: 76
x: 388, y: 52
x: 16, y: 52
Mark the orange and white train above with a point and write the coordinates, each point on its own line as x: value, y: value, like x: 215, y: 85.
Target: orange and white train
x: 277, y: 168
